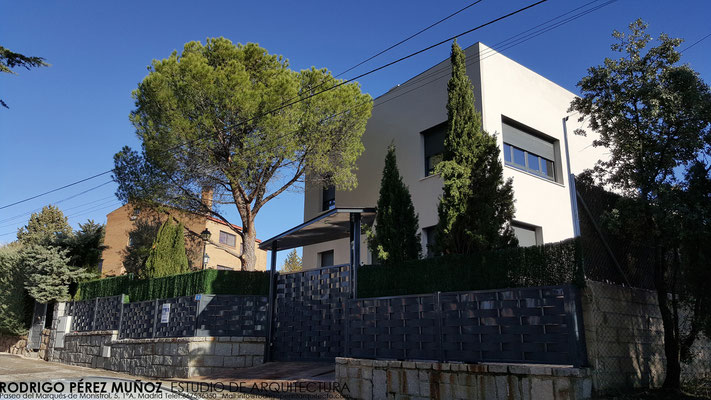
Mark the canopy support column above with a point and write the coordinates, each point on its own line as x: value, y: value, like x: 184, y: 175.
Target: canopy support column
x: 270, y: 304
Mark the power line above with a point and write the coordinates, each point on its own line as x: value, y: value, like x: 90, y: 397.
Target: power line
x: 101, y: 201
x: 408, y: 38
x: 438, y: 74
x: 288, y: 104
x: 56, y: 202
x: 57, y: 189
x: 695, y: 43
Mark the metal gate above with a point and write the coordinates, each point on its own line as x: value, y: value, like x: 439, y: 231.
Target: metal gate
x: 34, y: 337
x: 309, y: 317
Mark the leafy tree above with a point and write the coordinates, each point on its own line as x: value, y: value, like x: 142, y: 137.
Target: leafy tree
x: 292, y: 263
x: 167, y: 256
x: 14, y: 303
x: 477, y: 206
x: 394, y: 238
x: 48, y: 272
x: 204, y: 122
x: 654, y: 118
x: 85, y: 246
x: 47, y: 227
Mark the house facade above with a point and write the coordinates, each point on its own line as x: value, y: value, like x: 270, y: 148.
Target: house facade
x: 525, y: 111
x: 223, y: 248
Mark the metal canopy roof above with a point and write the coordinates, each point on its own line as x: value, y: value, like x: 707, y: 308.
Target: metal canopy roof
x: 331, y: 225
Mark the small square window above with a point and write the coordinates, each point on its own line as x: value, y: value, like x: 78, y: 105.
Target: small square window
x: 325, y: 258
x: 228, y: 239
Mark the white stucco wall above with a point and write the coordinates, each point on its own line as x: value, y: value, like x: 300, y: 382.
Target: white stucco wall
x: 501, y: 87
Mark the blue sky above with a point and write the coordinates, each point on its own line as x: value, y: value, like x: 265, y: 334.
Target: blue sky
x: 65, y: 122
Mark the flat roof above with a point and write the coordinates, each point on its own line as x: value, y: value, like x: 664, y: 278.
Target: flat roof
x: 331, y: 225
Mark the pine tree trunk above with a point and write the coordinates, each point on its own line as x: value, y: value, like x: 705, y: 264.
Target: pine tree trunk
x: 249, y: 258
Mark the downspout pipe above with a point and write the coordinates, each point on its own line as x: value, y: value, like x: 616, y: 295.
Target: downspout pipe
x: 571, y: 182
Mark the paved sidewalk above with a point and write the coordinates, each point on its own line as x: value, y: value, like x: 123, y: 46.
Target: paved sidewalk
x: 15, y: 368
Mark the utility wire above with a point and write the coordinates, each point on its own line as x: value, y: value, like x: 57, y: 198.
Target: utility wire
x: 57, y: 189
x: 408, y: 38
x: 695, y: 43
x: 288, y: 104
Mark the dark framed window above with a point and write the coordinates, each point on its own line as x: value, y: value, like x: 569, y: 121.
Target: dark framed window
x: 430, y: 240
x: 325, y: 258
x: 530, y: 162
x: 527, y: 234
x: 228, y: 239
x: 328, y: 198
x: 434, y: 146
x: 529, y: 150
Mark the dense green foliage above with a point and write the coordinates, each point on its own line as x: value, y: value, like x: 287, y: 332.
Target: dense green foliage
x: 550, y: 264
x: 85, y: 246
x: 477, y: 206
x: 292, y: 263
x: 140, y: 241
x: 15, y: 304
x: 49, y: 227
x: 394, y: 238
x: 48, y: 272
x: 9, y: 60
x: 653, y: 117
x: 209, y: 281
x: 210, y: 106
x: 167, y: 255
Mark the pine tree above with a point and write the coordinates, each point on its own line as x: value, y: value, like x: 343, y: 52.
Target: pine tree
x: 46, y: 227
x: 395, y: 238
x: 49, y: 273
x: 476, y: 205
x: 292, y: 263
x: 167, y: 255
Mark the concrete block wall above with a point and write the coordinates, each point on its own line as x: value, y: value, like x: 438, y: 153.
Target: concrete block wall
x: 160, y: 357
x: 376, y: 379
x: 625, y: 339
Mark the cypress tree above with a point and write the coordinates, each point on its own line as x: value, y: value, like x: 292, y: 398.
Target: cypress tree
x: 395, y: 238
x: 476, y: 205
x: 167, y: 255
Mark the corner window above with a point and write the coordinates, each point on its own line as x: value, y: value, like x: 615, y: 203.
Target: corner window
x: 328, y: 198
x: 228, y: 239
x: 325, y: 258
x: 527, y: 234
x: 434, y: 146
x: 530, y: 151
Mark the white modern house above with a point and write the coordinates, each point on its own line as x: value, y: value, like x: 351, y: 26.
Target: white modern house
x: 525, y: 111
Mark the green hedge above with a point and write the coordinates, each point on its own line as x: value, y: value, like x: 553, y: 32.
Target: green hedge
x: 547, y: 265
x: 209, y: 281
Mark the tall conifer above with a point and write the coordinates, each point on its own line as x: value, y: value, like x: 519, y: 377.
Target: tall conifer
x: 167, y: 255
x: 476, y: 205
x: 395, y: 238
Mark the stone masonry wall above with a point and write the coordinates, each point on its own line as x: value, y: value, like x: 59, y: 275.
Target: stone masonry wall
x: 624, y: 335
x: 375, y: 379
x: 161, y: 357
x: 14, y: 345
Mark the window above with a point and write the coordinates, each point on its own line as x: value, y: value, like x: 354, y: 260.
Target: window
x: 328, y: 197
x: 325, y: 258
x: 134, y: 215
x: 528, y: 151
x: 434, y: 146
x: 527, y: 235
x: 224, y: 268
x: 228, y: 239
x: 430, y: 240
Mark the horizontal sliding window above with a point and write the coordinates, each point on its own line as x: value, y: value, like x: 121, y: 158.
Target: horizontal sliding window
x: 529, y: 151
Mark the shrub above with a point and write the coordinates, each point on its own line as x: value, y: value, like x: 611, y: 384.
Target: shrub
x: 208, y: 281
x: 546, y: 265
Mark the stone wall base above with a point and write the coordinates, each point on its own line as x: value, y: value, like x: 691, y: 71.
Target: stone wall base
x: 376, y: 379
x: 160, y: 358
x: 14, y: 345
